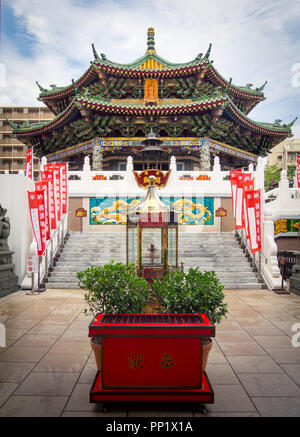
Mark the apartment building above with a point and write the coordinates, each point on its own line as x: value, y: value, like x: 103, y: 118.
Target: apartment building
x: 284, y: 154
x: 12, y: 151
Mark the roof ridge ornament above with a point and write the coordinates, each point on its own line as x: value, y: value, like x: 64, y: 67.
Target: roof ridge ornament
x: 76, y: 89
x: 262, y: 87
x: 291, y: 124
x: 207, y: 54
x: 150, y: 41
x: 43, y: 90
x: 226, y: 91
x: 96, y: 56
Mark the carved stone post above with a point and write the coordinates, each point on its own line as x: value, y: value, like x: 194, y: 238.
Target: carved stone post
x: 97, y: 157
x: 205, y: 157
x: 8, y: 278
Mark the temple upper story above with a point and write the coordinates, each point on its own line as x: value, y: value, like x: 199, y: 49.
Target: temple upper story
x: 189, y: 99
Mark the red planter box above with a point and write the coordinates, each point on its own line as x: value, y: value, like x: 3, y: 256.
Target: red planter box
x: 151, y: 357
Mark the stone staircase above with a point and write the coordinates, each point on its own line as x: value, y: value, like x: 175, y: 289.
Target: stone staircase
x: 82, y: 250
x: 222, y: 253
x: 210, y: 251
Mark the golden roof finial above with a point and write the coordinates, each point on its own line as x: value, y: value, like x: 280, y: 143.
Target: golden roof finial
x: 150, y: 41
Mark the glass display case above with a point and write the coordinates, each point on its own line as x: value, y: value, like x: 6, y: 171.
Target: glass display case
x: 152, y: 236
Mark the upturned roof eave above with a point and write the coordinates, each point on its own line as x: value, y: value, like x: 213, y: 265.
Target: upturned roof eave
x: 259, y: 127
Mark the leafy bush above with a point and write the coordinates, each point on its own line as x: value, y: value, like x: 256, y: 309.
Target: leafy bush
x: 192, y: 292
x: 114, y: 288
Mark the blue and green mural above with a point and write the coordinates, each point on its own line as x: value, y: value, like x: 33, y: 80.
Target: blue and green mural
x: 113, y: 210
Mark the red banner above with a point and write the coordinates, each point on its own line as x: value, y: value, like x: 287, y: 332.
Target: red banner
x: 29, y: 164
x: 253, y: 208
x: 48, y: 176
x: 239, y: 209
x: 247, y: 186
x: 33, y: 204
x: 233, y: 180
x: 40, y: 196
x: 64, y: 187
x: 298, y: 171
x: 56, y: 170
x: 44, y: 186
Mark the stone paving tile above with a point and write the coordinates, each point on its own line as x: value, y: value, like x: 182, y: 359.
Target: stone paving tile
x: 271, y: 341
x: 75, y: 335
x: 88, y: 374
x: 37, y: 340
x: 6, y: 389
x: 71, y: 348
x: 230, y: 398
x: 15, y: 334
x: 33, y: 406
x: 256, y: 364
x: 279, y: 317
x: 285, y: 327
x: 293, y: 370
x: 253, y: 321
x: 14, y: 372
x: 164, y: 410
x: 43, y: 329
x: 250, y: 414
x: 48, y: 383
x: 221, y: 373
x: 114, y: 412
x: 80, y: 399
x: 216, y: 358
x: 269, y: 384
x: 263, y: 330
x: 233, y: 336
x: 61, y: 363
x: 23, y: 354
x: 279, y: 406
x: 241, y: 348
x: 57, y: 320
x: 283, y: 356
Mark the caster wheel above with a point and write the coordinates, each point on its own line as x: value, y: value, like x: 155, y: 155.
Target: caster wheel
x: 202, y: 409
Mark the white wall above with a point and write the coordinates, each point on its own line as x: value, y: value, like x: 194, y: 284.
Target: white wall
x: 13, y: 197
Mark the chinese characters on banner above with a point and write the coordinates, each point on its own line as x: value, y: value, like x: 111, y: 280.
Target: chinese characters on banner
x: 247, y: 186
x: 44, y: 186
x: 29, y: 164
x: 253, y: 211
x: 243, y: 195
x: 233, y: 181
x: 56, y: 170
x: 34, y: 217
x: 298, y: 171
x: 49, y: 176
x: 64, y: 187
x: 40, y: 196
x: 239, y: 211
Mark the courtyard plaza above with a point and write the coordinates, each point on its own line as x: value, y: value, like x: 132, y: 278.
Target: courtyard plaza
x: 47, y: 366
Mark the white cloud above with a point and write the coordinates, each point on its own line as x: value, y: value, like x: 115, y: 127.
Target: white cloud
x: 252, y: 42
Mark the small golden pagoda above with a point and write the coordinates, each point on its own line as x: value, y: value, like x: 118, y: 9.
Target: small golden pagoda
x: 152, y: 236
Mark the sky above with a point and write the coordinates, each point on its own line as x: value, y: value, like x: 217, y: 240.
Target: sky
x: 252, y: 41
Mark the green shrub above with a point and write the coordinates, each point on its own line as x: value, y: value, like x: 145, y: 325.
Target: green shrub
x: 114, y: 288
x: 192, y: 292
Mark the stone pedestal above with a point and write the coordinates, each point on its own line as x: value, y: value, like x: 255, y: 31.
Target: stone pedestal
x: 295, y: 278
x: 8, y: 278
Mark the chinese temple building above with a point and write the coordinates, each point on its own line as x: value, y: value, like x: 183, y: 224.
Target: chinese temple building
x: 194, y: 112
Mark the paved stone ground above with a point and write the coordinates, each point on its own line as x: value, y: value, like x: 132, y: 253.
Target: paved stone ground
x: 47, y: 366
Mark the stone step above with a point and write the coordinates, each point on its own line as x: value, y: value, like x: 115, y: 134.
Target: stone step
x: 208, y: 251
